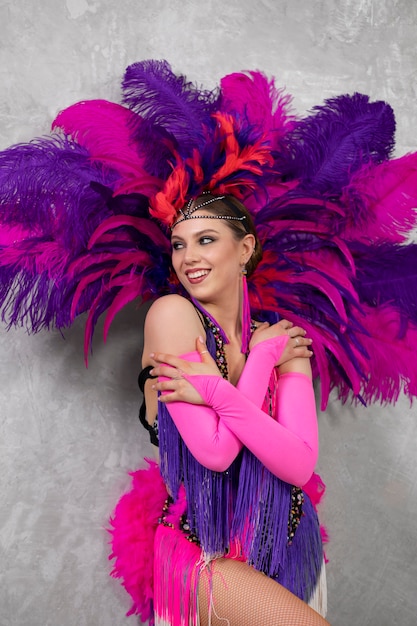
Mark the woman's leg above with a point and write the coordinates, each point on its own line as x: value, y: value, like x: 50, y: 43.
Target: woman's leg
x: 231, y: 593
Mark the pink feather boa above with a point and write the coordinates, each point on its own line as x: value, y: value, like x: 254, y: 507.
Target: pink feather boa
x: 133, y: 527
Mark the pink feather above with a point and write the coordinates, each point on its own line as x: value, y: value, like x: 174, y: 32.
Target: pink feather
x: 253, y: 96
x: 144, y: 226
x: 107, y: 130
x: 36, y: 257
x: 131, y: 288
x: 393, y: 365
x: 389, y: 191
x: 133, y: 526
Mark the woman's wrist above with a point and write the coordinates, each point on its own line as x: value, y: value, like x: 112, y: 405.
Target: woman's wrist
x: 296, y: 365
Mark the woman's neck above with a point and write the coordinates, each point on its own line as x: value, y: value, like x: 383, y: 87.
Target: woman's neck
x: 228, y: 318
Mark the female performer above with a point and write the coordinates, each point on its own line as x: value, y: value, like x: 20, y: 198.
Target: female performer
x: 247, y: 431
x: 98, y: 213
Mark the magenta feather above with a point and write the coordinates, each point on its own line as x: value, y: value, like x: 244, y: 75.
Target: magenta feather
x: 143, y: 226
x: 255, y: 100
x: 129, y: 289
x: 381, y: 201
x: 321, y: 283
x: 392, y: 368
x: 132, y: 528
x: 108, y: 131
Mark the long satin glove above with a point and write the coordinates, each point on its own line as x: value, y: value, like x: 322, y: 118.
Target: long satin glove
x: 207, y: 438
x: 256, y: 374
x: 287, y: 448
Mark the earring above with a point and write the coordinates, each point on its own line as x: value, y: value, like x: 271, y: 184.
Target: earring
x: 244, y: 270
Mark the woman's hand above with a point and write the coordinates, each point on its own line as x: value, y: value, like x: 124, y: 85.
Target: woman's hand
x: 298, y: 345
x: 173, y: 368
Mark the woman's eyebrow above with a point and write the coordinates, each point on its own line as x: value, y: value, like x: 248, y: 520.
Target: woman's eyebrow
x: 205, y: 231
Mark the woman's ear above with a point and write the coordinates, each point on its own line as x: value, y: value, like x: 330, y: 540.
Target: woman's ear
x: 248, y: 246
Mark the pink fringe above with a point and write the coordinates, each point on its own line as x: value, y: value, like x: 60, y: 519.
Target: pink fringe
x: 315, y: 488
x: 176, y: 570
x: 157, y: 565
x: 246, y: 317
x: 133, y: 527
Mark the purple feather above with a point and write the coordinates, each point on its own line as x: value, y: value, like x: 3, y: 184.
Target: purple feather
x: 387, y: 274
x: 169, y: 102
x: 45, y: 187
x: 338, y: 138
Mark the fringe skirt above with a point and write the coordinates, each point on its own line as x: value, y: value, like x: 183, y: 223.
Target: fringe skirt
x: 159, y: 561
x: 177, y: 569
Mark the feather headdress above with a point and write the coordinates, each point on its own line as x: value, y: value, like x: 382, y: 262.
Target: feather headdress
x: 85, y: 215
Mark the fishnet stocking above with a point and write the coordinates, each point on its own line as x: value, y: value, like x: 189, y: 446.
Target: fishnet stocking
x: 241, y: 596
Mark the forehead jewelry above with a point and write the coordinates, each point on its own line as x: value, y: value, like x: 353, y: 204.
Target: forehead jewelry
x: 187, y: 212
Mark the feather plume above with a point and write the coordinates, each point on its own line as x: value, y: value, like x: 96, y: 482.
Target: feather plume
x: 77, y: 209
x: 168, y: 101
x: 45, y: 188
x: 336, y: 140
x: 391, y: 341
x: 381, y: 201
x: 297, y: 285
x: 256, y: 102
x: 387, y: 275
x: 233, y: 176
x: 109, y: 132
x: 132, y: 528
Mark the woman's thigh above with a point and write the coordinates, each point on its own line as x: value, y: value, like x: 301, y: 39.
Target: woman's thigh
x: 231, y: 593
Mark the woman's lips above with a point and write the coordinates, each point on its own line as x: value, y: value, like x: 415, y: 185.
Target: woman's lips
x: 197, y: 276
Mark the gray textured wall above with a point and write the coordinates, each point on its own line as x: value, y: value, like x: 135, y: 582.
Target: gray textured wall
x: 69, y: 435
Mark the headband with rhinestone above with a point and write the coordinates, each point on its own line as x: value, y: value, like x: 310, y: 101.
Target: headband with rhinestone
x: 187, y: 212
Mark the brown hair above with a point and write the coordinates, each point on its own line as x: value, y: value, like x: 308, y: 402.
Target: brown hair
x: 233, y: 208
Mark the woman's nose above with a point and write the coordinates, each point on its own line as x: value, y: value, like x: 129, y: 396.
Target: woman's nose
x: 191, y: 254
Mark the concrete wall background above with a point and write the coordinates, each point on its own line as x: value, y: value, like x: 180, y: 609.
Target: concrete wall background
x: 69, y: 435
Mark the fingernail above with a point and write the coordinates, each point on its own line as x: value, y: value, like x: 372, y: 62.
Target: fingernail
x: 152, y: 354
x: 200, y: 339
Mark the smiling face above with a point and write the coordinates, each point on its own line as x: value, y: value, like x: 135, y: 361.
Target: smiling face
x: 208, y: 259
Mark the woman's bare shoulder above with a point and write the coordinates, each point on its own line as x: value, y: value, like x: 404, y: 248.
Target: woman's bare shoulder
x: 169, y: 308
x: 172, y: 325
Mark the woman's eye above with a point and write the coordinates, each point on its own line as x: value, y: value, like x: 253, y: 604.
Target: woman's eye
x: 177, y: 245
x: 206, y: 240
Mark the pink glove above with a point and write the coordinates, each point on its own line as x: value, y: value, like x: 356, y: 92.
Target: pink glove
x: 254, y: 380
x: 208, y: 439
x: 288, y: 448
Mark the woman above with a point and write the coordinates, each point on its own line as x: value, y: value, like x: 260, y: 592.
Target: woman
x: 210, y: 258
x: 85, y: 224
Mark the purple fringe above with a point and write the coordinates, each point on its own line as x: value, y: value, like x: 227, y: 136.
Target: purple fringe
x: 209, y: 494
x: 265, y: 500
x: 304, y: 557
